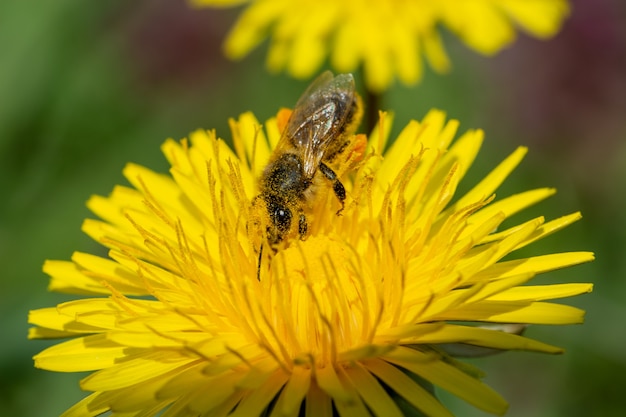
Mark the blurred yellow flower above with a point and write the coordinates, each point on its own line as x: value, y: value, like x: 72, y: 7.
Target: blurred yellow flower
x: 180, y: 317
x: 387, y: 37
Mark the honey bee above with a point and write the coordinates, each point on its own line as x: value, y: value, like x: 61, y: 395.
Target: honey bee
x: 318, y: 130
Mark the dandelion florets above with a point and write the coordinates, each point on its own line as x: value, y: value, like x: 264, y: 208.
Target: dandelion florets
x: 181, y: 317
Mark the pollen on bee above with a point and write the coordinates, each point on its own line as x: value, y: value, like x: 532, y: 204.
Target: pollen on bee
x: 282, y: 118
x: 358, y: 148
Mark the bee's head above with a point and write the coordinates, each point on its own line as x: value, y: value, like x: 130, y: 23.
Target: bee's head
x: 280, y: 220
x: 270, y: 221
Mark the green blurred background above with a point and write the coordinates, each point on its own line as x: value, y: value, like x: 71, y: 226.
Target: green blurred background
x: 86, y: 86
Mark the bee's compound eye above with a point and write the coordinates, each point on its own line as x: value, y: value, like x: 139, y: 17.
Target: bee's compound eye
x: 282, y: 219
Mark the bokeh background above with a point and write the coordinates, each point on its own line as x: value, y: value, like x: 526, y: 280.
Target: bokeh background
x: 86, y: 86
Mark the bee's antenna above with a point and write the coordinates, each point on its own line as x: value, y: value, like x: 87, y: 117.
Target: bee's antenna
x: 258, y: 269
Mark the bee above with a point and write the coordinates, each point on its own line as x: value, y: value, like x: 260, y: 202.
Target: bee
x: 318, y: 130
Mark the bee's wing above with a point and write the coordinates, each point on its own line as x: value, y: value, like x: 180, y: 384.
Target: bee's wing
x: 318, y: 118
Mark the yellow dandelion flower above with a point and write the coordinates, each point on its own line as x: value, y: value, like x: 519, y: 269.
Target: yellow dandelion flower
x: 386, y: 37
x: 181, y: 319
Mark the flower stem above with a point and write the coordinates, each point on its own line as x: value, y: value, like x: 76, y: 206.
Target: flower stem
x: 372, y: 106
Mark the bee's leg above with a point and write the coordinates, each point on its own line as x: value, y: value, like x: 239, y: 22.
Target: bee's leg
x: 338, y: 188
x: 302, y: 226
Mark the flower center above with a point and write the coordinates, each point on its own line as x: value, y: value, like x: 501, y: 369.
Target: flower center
x: 321, y: 299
